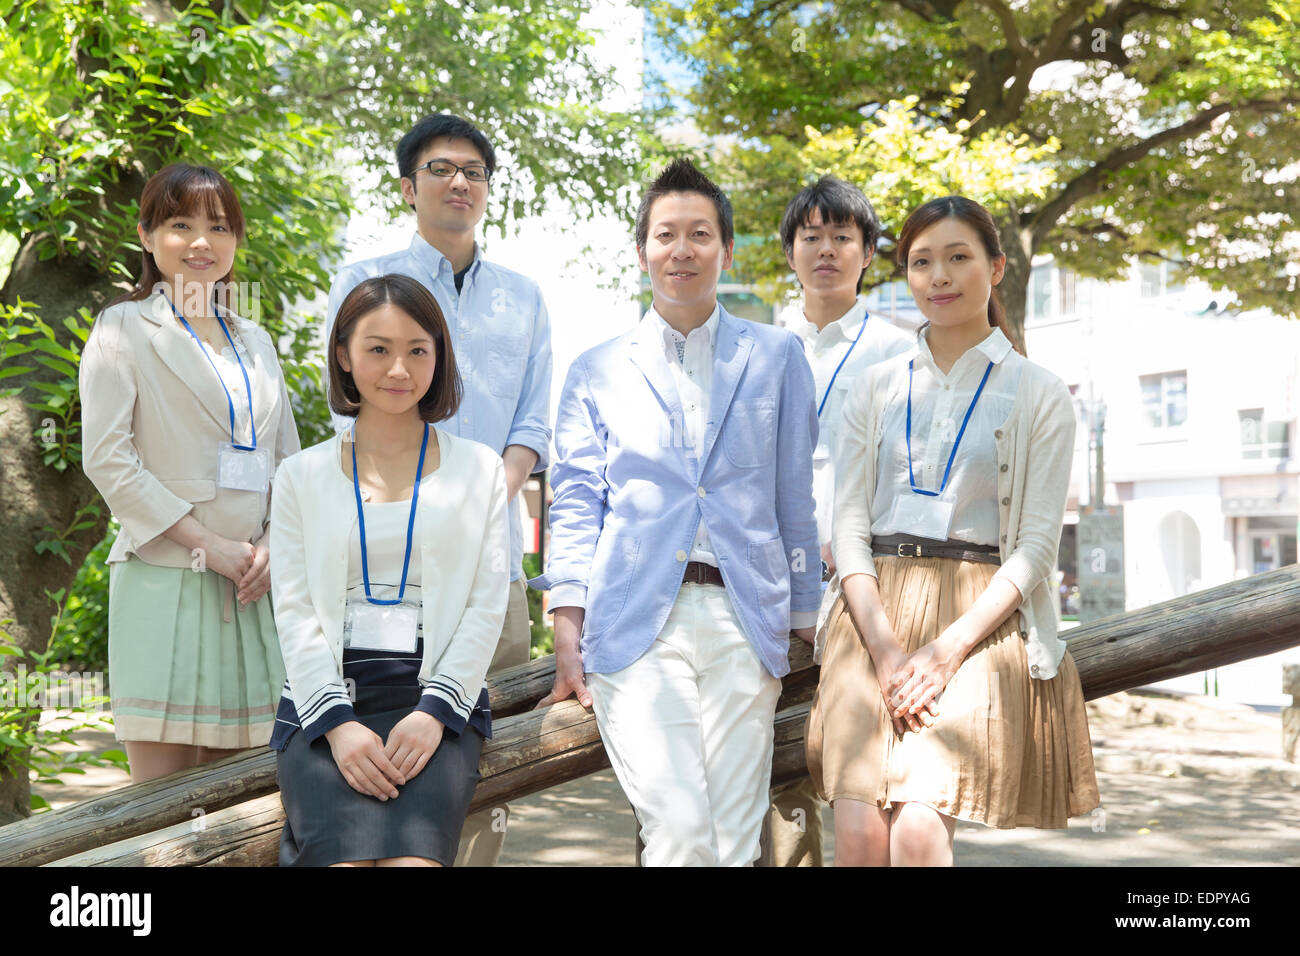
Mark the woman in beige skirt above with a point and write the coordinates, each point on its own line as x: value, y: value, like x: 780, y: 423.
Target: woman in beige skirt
x: 946, y: 693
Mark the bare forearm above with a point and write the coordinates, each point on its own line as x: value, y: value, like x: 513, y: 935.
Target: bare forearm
x: 568, y: 626
x: 999, y: 600
x: 519, y: 462
x: 190, y: 533
x: 862, y: 592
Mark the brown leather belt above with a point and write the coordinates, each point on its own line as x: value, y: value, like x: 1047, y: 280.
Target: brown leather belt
x: 699, y: 573
x: 909, y: 546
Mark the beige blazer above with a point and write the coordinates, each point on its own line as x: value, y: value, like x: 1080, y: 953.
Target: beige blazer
x: 153, y: 413
x: 1035, y: 451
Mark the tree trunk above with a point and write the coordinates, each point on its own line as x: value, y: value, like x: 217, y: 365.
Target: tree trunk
x: 35, y: 498
x: 1013, y: 290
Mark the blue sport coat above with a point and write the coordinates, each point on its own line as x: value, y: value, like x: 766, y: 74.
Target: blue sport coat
x: 630, y: 492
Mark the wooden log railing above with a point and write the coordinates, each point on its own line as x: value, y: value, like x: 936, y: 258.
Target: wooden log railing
x: 155, y: 823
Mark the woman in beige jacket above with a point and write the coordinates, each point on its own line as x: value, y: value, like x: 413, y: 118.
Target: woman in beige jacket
x: 945, y: 691
x: 185, y: 416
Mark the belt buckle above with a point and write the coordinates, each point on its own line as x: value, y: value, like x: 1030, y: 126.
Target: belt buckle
x: 911, y: 544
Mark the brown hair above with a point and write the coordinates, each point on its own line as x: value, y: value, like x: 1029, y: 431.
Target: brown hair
x: 182, y: 190
x: 972, y: 214
x: 443, y: 398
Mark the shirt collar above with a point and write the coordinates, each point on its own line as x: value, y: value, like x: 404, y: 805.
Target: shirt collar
x: 845, y: 327
x: 995, y: 347
x: 656, y: 322
x: 432, y: 259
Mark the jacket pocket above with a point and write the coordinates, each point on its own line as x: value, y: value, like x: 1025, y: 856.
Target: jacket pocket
x: 767, y: 560
x: 748, y: 432
x: 771, y: 576
x: 191, y: 489
x: 507, y: 356
x: 612, y: 571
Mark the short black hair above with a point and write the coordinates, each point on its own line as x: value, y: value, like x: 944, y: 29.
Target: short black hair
x: 682, y: 176
x: 838, y: 202
x: 430, y: 128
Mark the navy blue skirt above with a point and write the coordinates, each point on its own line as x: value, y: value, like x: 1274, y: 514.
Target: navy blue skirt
x: 326, y: 821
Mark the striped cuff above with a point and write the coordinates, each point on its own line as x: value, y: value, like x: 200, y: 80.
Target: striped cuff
x: 444, y: 698
x: 324, y: 710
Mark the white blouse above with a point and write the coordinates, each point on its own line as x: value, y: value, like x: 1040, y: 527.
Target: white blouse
x: 939, y: 404
x: 385, y: 548
x: 228, y: 368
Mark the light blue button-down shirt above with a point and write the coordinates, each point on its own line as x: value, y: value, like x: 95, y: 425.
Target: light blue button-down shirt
x: 502, y: 340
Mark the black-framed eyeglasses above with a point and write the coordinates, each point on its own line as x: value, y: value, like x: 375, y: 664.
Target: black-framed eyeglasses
x: 446, y: 169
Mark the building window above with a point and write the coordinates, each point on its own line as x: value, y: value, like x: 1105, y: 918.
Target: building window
x: 1164, y: 399
x: 1151, y: 284
x: 1066, y: 280
x: 1261, y: 439
x: 746, y: 305
x: 1272, y: 543
x: 1040, y: 292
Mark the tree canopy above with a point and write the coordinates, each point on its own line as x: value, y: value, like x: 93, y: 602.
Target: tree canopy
x: 285, y: 99
x: 1173, y: 126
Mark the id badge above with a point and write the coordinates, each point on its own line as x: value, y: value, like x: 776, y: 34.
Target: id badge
x: 240, y: 469
x: 922, y: 516
x: 384, y: 627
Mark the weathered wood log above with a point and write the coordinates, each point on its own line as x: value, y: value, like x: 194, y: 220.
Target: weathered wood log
x: 247, y: 834
x: 145, y: 807
x: 1221, y: 625
x: 528, y: 752
x: 536, y: 750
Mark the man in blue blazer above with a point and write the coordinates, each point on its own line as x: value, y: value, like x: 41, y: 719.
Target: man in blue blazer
x: 683, y: 538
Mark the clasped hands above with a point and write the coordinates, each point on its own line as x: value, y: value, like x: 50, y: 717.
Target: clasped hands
x: 911, y: 684
x: 377, y: 768
x: 247, y: 565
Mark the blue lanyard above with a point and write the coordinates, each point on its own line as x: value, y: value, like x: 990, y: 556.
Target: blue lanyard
x: 964, y: 422
x: 831, y: 383
x: 247, y: 387
x: 410, y: 522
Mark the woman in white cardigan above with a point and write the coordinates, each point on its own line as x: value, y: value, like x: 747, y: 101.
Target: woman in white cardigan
x: 945, y: 691
x: 389, y: 576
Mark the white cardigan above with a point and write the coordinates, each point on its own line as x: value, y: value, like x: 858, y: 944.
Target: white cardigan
x: 1035, y: 451
x: 463, y: 548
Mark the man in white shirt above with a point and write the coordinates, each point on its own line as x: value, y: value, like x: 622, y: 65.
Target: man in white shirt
x: 829, y: 233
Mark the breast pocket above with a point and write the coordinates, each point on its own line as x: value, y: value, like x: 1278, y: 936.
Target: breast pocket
x: 749, y: 431
x: 507, y: 357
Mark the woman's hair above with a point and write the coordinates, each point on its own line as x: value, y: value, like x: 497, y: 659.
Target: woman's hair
x: 182, y: 190
x: 972, y: 214
x: 443, y: 398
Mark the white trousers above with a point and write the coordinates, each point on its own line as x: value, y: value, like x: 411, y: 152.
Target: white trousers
x: 688, y: 729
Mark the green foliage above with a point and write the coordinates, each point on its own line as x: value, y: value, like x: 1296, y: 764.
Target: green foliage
x: 899, y: 157
x: 542, y: 635
x: 41, y: 708
x: 24, y: 336
x: 80, y: 639
x: 522, y: 71
x: 1177, y: 125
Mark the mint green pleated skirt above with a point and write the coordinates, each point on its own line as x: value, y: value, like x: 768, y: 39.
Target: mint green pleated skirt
x: 185, y: 664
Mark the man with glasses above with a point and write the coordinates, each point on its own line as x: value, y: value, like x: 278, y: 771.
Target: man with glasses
x: 502, y: 340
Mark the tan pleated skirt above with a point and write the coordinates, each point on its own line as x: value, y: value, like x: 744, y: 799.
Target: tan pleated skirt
x: 1005, y: 750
